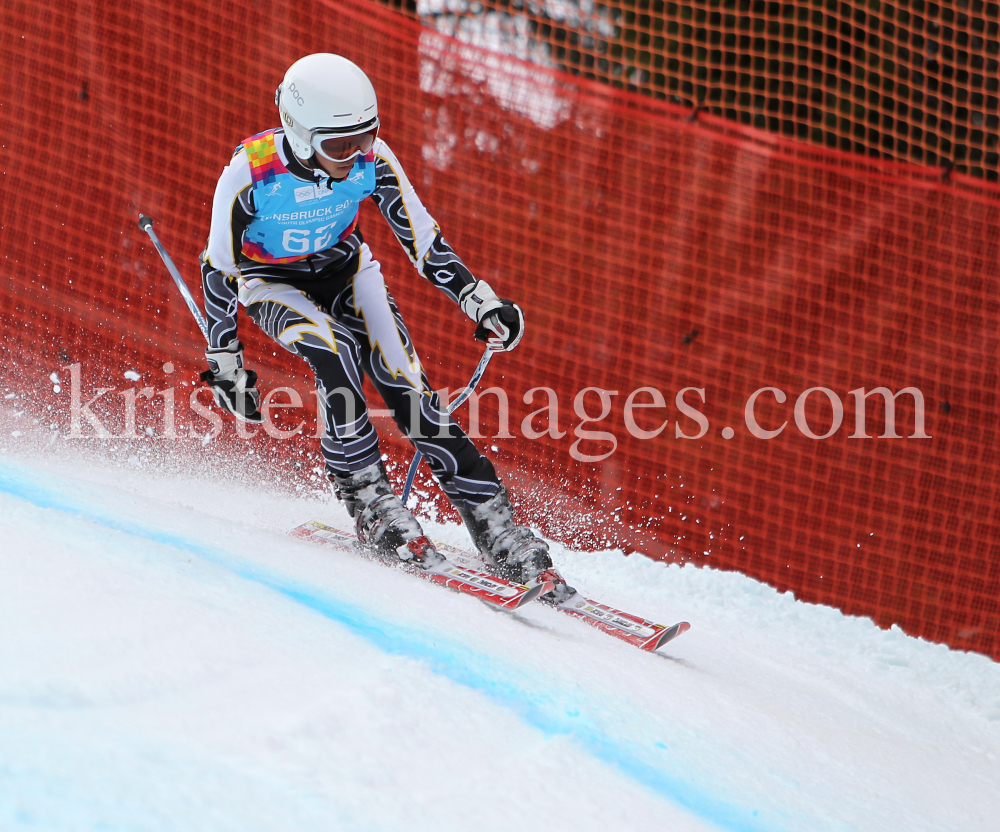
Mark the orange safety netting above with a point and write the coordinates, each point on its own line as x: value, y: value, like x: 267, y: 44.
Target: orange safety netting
x: 649, y: 250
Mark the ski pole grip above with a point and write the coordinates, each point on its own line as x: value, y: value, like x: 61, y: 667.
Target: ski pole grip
x: 507, y: 316
x: 145, y: 223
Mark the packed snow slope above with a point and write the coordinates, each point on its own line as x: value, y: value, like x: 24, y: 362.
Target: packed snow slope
x: 171, y: 660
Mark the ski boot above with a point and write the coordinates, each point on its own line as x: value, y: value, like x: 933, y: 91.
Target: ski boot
x: 381, y: 521
x: 514, y: 552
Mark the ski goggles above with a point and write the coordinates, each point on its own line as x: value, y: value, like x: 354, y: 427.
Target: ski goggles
x: 335, y: 146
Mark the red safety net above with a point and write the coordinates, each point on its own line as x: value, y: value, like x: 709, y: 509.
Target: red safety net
x: 649, y: 250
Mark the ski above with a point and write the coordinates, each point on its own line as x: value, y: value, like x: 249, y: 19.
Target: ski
x: 646, y: 635
x: 632, y: 629
x: 492, y: 590
x: 453, y: 573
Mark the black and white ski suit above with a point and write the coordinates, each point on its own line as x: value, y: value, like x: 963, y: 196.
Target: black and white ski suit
x: 332, y: 309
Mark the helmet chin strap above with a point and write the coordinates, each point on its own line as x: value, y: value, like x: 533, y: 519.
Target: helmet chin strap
x: 317, y: 170
x: 311, y: 164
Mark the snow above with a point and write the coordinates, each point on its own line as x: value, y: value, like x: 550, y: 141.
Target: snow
x: 444, y: 65
x: 171, y: 659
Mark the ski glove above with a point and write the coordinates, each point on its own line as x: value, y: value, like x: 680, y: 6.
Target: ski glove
x: 234, y: 388
x: 501, y: 321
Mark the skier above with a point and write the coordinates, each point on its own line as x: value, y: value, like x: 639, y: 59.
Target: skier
x: 285, y: 243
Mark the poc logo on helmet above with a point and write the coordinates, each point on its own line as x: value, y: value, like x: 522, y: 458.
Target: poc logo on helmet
x: 296, y: 94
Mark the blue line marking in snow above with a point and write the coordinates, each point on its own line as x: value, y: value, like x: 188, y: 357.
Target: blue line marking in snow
x: 554, y: 715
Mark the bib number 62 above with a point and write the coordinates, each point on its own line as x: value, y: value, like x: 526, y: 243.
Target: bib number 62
x: 302, y: 241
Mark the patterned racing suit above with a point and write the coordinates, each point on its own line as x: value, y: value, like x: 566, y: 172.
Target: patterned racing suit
x: 284, y: 243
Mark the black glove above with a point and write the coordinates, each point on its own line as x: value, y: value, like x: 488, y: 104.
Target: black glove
x: 233, y: 387
x: 500, y: 321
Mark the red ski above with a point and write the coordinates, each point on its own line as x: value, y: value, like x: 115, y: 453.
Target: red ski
x: 633, y: 629
x: 646, y: 635
x: 637, y: 631
x: 492, y: 590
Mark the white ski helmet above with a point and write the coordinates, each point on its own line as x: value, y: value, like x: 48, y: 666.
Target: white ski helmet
x: 323, y: 96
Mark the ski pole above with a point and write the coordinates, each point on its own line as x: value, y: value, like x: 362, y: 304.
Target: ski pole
x: 146, y: 224
x: 460, y: 399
